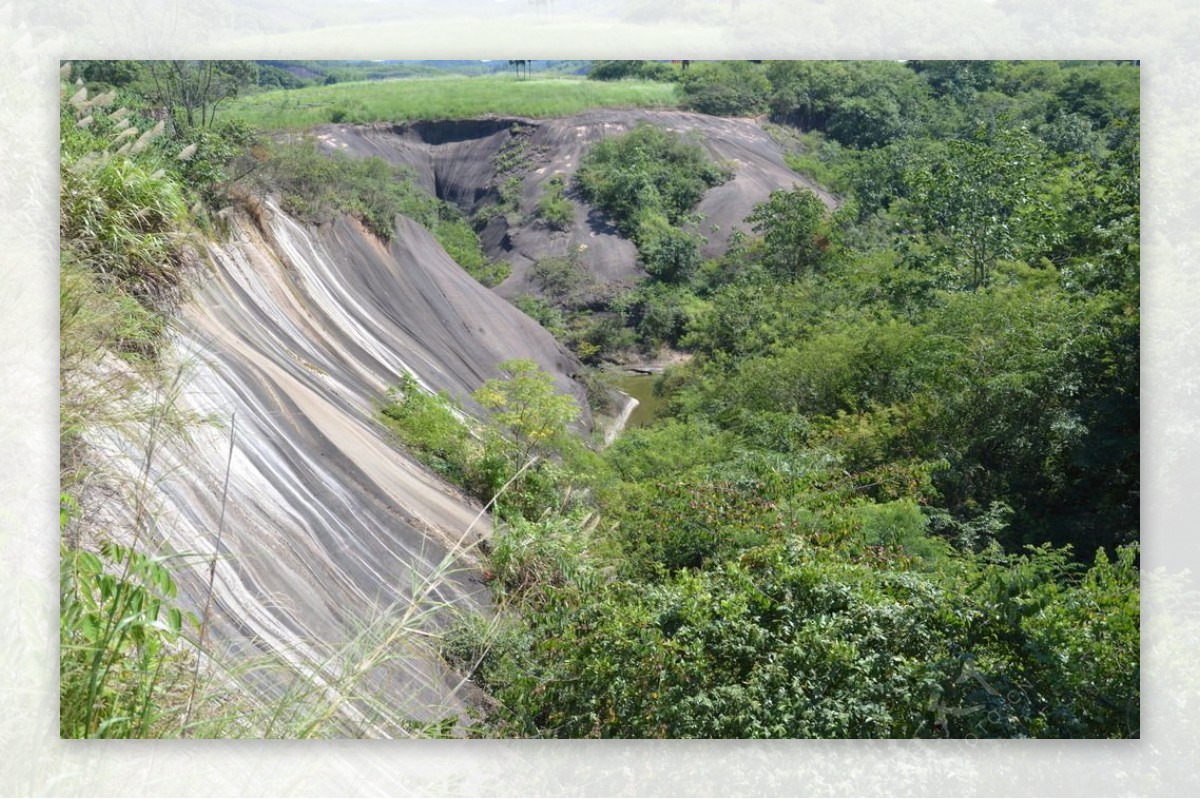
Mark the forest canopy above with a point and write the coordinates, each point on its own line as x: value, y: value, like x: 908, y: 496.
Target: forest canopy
x: 895, y: 490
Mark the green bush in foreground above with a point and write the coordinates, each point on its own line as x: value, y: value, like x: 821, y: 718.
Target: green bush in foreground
x: 791, y: 642
x: 118, y: 642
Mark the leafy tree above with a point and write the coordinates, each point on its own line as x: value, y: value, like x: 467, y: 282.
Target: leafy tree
x: 726, y: 88
x: 641, y: 70
x: 526, y: 402
x: 1102, y: 94
x: 806, y: 93
x: 959, y: 80
x: 193, y: 90
x: 669, y: 254
x: 663, y: 313
x: 858, y: 103
x: 867, y: 121
x: 113, y: 73
x: 793, y: 226
x: 274, y: 77
x: 977, y: 203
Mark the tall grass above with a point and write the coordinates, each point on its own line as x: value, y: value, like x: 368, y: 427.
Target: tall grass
x: 343, y: 689
x: 444, y: 98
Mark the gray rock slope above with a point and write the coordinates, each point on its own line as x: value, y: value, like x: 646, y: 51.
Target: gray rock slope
x: 293, y: 337
x: 457, y: 160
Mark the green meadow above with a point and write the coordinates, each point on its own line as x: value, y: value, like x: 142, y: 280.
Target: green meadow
x: 444, y: 98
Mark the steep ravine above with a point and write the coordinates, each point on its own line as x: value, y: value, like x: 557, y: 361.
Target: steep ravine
x: 292, y: 337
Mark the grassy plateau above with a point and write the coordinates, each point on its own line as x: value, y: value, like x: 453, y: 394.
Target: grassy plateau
x: 444, y: 98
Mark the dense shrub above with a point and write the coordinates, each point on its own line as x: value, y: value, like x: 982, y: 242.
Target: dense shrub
x: 894, y: 491
x: 726, y: 88
x: 641, y: 70
x: 554, y: 208
x: 645, y: 171
x: 562, y: 278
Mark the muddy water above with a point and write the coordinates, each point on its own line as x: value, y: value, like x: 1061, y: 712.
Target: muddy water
x: 641, y: 388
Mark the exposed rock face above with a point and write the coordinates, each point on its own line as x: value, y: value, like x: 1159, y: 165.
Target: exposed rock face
x: 299, y: 332
x: 457, y: 160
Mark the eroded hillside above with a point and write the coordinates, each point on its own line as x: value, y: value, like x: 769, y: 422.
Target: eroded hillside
x: 892, y: 491
x: 469, y: 163
x: 320, y: 525
x: 294, y: 337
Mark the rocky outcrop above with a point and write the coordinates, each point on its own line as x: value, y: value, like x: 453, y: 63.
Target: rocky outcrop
x: 318, y: 524
x: 458, y: 161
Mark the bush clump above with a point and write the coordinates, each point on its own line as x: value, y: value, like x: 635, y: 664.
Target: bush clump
x: 640, y: 70
x: 726, y: 89
x: 647, y: 181
x: 555, y: 209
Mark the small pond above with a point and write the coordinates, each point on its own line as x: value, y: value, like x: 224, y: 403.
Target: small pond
x: 641, y: 388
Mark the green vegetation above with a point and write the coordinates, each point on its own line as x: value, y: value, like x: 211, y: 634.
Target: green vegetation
x: 726, y: 88
x: 125, y: 235
x: 511, y: 165
x: 636, y: 70
x: 444, y: 98
x: 315, y: 186
x: 647, y: 182
x: 812, y: 154
x: 794, y: 232
x: 894, y: 492
x: 118, y: 635
x: 554, y: 208
x: 647, y: 177
x: 298, y: 74
x: 503, y: 463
